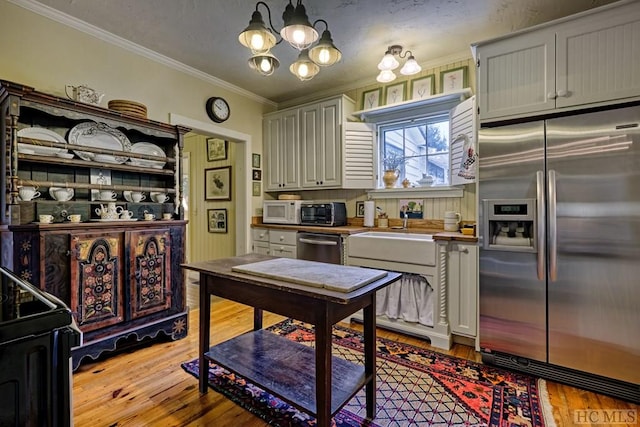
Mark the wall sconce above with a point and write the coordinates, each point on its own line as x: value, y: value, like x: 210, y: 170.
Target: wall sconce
x: 298, y: 32
x: 390, y: 63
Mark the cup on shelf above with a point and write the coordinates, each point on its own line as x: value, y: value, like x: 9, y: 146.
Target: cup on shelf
x: 63, y: 194
x: 74, y: 218
x: 126, y: 214
x: 167, y: 215
x: 149, y: 216
x: 45, y: 219
x: 107, y: 195
x: 137, y: 196
x: 28, y: 193
x: 159, y: 197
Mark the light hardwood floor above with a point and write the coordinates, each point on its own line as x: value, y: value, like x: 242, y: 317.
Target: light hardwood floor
x: 147, y: 387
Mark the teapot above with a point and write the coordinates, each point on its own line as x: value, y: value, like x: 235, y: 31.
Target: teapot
x: 109, y: 212
x: 84, y: 94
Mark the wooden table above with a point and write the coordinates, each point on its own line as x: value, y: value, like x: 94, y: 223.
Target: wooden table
x: 283, y: 367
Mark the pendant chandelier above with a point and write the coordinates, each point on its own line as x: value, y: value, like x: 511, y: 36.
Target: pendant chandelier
x: 315, y: 51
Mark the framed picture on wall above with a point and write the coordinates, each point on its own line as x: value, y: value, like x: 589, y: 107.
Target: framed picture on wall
x: 395, y: 93
x: 255, y: 160
x: 257, y: 174
x: 360, y: 209
x: 256, y: 189
x: 217, y: 183
x: 217, y: 220
x: 423, y: 87
x: 371, y: 98
x: 454, y: 79
x: 216, y: 149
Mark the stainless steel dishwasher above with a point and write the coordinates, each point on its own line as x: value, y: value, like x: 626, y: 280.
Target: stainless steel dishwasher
x: 320, y: 247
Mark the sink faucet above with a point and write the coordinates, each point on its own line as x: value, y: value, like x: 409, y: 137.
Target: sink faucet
x: 405, y: 218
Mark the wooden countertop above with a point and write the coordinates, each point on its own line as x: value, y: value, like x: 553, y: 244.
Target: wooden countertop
x: 438, y: 234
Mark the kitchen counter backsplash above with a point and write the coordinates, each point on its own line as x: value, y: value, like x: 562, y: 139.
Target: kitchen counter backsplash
x: 355, y: 225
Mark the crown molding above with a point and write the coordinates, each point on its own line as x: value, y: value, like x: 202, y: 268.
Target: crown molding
x: 108, y: 37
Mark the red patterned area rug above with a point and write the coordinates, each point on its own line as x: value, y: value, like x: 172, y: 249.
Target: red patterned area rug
x: 416, y: 387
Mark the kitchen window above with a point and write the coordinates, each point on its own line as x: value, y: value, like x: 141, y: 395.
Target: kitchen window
x: 423, y: 144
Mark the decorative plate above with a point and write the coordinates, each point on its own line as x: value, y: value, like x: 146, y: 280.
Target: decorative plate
x: 45, y: 135
x: 99, y: 135
x: 148, y: 149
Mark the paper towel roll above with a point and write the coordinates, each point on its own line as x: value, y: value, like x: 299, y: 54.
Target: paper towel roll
x: 369, y: 213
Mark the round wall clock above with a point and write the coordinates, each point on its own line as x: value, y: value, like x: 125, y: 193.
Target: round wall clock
x: 218, y: 109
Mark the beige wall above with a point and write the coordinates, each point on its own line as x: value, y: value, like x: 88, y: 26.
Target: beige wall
x: 47, y: 55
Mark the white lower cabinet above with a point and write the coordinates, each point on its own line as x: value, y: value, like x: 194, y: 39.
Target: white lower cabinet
x: 274, y: 242
x: 282, y: 243
x: 260, y: 237
x: 462, y: 281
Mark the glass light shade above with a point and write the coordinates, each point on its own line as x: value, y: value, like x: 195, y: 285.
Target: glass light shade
x: 264, y: 63
x: 386, y: 76
x: 410, y: 67
x: 297, y: 29
x: 304, y: 68
x: 325, y: 53
x: 257, y: 36
x: 388, y: 62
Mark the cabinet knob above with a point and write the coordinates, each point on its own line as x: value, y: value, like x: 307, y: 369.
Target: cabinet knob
x: 564, y: 93
x: 552, y: 95
x: 464, y: 250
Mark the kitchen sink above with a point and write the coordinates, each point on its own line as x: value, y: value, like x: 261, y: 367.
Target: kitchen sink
x: 402, y: 246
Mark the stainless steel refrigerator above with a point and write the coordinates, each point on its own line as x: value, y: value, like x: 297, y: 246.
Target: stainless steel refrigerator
x: 559, y: 264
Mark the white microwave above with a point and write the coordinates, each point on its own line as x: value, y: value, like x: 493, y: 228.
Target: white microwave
x: 281, y: 211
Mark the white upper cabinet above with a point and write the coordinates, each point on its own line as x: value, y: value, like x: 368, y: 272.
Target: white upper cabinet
x: 314, y: 147
x: 282, y: 153
x: 589, y: 59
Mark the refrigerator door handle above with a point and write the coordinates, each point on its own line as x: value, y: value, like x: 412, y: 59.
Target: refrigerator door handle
x: 553, y: 241
x: 540, y: 223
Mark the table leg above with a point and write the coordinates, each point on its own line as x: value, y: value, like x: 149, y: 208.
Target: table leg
x: 257, y: 319
x: 205, y: 329
x: 369, y: 320
x: 323, y: 372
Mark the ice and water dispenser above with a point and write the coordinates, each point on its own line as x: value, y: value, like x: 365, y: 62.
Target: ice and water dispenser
x: 509, y: 225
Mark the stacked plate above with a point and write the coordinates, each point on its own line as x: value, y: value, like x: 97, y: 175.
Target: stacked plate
x: 128, y: 107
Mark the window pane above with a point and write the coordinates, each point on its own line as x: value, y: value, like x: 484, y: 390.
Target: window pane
x: 423, y: 145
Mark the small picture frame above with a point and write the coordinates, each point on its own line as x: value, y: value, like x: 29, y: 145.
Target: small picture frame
x: 423, y: 87
x: 395, y: 93
x: 256, y: 174
x: 255, y: 160
x: 217, y: 149
x: 454, y: 79
x: 217, y: 183
x: 359, y: 209
x: 371, y: 98
x: 217, y: 220
x: 256, y: 189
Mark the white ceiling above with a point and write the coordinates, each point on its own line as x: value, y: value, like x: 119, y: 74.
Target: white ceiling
x: 203, y: 34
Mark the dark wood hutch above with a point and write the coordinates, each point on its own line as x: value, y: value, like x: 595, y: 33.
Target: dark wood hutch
x: 120, y: 278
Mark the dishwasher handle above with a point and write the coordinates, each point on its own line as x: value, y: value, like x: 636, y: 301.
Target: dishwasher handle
x: 318, y: 242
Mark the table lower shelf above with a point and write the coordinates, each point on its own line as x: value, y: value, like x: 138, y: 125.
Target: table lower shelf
x: 286, y: 369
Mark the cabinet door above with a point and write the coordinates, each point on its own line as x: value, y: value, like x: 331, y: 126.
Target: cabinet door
x: 462, y: 272
x: 282, y: 151
x: 598, y: 57
x: 97, y: 294
x: 320, y: 133
x: 330, y: 155
x: 517, y: 75
x: 272, y: 149
x: 149, y: 271
x: 311, y: 146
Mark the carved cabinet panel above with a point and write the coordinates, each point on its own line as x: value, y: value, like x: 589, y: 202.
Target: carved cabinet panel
x: 96, y: 268
x: 150, y: 267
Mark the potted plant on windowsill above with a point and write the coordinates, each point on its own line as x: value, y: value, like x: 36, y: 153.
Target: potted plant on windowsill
x: 391, y: 165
